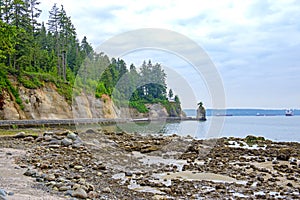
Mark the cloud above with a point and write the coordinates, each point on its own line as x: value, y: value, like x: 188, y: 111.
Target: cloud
x: 254, y: 44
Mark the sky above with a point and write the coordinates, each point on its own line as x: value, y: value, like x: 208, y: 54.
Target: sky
x: 253, y: 45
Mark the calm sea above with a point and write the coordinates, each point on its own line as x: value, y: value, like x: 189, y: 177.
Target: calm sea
x: 271, y: 124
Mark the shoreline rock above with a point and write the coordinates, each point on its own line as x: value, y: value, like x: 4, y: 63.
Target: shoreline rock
x: 113, y: 165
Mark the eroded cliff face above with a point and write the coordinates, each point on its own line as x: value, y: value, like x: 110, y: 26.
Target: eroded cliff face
x: 9, y: 109
x: 87, y: 106
x: 47, y: 103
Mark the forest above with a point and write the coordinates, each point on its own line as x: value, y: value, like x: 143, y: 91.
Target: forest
x: 37, y: 52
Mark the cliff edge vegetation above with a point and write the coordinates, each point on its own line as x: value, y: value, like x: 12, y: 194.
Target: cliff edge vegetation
x: 46, y: 71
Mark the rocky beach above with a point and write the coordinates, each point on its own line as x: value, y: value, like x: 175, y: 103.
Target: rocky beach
x: 99, y: 164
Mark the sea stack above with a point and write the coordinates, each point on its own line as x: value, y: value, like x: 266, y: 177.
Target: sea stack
x: 201, y: 112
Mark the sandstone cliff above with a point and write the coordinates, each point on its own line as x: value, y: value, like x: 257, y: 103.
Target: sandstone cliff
x: 46, y: 103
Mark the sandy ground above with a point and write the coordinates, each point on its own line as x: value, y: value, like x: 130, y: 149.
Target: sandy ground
x: 12, y: 179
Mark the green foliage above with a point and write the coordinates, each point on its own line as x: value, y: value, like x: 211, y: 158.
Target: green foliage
x: 37, y: 55
x: 100, y: 90
x: 251, y: 140
x: 139, y: 105
x: 31, y: 82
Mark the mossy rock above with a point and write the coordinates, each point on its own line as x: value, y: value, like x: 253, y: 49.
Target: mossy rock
x: 250, y: 139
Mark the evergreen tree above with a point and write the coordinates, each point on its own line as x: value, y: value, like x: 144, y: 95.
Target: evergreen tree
x: 170, y: 94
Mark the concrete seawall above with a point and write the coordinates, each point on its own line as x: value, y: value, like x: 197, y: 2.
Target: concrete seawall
x: 73, y: 122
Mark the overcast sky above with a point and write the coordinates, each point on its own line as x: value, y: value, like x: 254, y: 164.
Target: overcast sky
x: 254, y: 45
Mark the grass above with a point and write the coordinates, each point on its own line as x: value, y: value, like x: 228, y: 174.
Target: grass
x: 11, y: 132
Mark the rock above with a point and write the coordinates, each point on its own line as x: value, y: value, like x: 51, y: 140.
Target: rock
x: 54, y: 146
x: 47, y: 137
x: 275, y: 162
x: 293, y: 161
x: 48, y: 133
x: 283, y: 154
x: 50, y: 177
x: 149, y: 149
x: 2, y: 197
x: 260, y: 178
x: 69, y: 192
x: 80, y: 193
x: 39, y: 139
x: 64, y: 188
x: 11, y: 193
x: 78, y: 167
x: 220, y: 187
x: 72, y: 136
x: 93, y: 195
x: 90, y: 131
x: 128, y: 173
x: 66, y: 142
x: 106, y: 190
x: 29, y: 139
x: 30, y: 172
x: 289, y: 184
x: 20, y: 135
x: 99, y: 174
x: 2, y: 192
x: 55, y: 141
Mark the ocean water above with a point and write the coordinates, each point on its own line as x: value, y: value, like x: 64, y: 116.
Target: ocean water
x: 271, y: 124
x: 276, y: 128
x: 243, y: 112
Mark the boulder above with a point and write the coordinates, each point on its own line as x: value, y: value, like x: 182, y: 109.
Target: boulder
x: 80, y: 193
x: 283, y: 154
x: 20, y: 135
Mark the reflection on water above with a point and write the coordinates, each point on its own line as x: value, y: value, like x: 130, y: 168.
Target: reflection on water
x: 277, y: 128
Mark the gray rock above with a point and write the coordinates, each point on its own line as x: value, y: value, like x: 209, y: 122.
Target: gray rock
x: 128, y: 173
x: 90, y: 131
x: 10, y: 193
x: 29, y: 139
x: 39, y: 139
x: 20, y: 135
x: 50, y: 177
x: 54, y: 146
x: 64, y: 188
x: 106, y: 190
x: 3, y: 197
x: 69, y: 192
x: 48, y: 133
x: 55, y: 141
x: 47, y: 137
x: 80, y: 193
x: 2, y: 192
x: 66, y: 142
x: 72, y: 136
x: 30, y: 172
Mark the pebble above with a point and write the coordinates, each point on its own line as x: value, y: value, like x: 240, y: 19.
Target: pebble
x: 99, y: 174
x: 78, y: 167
